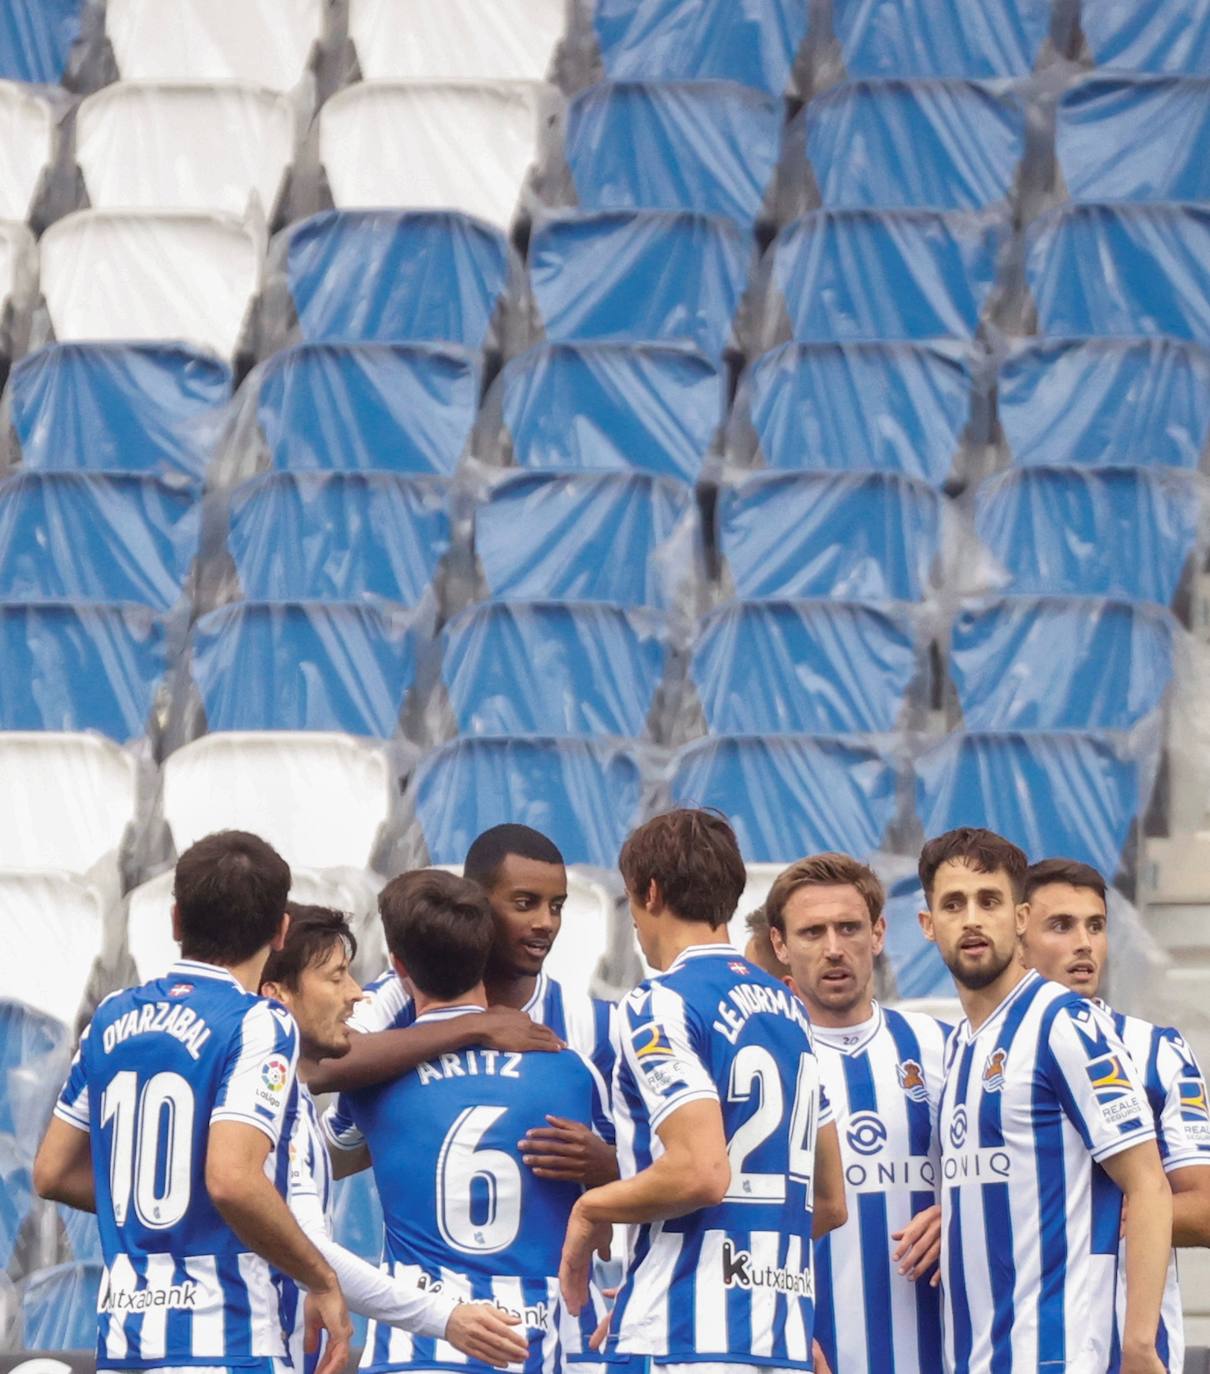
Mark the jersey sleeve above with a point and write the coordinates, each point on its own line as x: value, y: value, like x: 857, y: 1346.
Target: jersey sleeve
x: 1096, y: 1082
x: 657, y: 1047
x: 301, y: 1181
x: 258, y: 1076
x: 385, y: 1005
x: 72, y: 1104
x: 1183, y: 1123
x: 339, y: 1128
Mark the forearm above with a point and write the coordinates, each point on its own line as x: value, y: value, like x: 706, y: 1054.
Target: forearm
x: 1190, y: 1218
x: 75, y: 1188
x: 669, y: 1188
x: 381, y: 1056
x: 1148, y: 1238
x: 63, y: 1167
x: 258, y: 1215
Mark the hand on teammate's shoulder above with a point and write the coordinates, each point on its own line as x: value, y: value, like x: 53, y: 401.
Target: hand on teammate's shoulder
x: 512, y: 1031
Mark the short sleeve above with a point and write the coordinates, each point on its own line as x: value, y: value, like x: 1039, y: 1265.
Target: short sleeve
x: 658, y: 1051
x: 72, y: 1105
x: 385, y: 1005
x: 339, y: 1128
x: 258, y: 1075
x: 1183, y: 1124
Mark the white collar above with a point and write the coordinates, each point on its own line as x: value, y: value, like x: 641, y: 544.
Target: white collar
x: 727, y: 951
x: 850, y: 1039
x: 446, y: 1013
x: 195, y: 968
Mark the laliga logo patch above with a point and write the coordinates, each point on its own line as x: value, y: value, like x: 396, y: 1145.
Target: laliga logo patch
x: 911, y: 1080
x: 958, y: 1127
x: 993, y: 1071
x: 866, y: 1133
x: 180, y: 990
x: 1108, y: 1078
x: 273, y: 1073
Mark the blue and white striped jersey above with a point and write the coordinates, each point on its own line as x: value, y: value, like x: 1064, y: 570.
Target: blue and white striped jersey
x: 732, y: 1283
x: 309, y: 1181
x: 1176, y: 1094
x: 158, y: 1065
x: 463, y: 1214
x: 883, y: 1080
x: 1032, y: 1101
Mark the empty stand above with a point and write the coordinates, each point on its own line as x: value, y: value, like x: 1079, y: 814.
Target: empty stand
x: 338, y: 536
x: 131, y: 274
x: 653, y: 408
x: 35, y: 1049
x: 1131, y: 36
x: 83, y: 1238
x: 222, y: 148
x: 428, y: 145
x: 16, y: 1201
x: 27, y: 148
x: 154, y: 408
x: 18, y: 268
x: 1106, y: 402
x: 865, y: 536
x: 59, y: 1307
x: 37, y: 40
x: 915, y: 963
x: 709, y: 147
x: 638, y: 276
x: 897, y: 407
x: 620, y: 537
x: 52, y: 924
x: 552, y: 669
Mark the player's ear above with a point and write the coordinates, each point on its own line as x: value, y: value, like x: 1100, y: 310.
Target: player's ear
x: 274, y: 990
x: 654, y: 901
x: 176, y: 923
x: 925, y: 918
x: 879, y: 935
x: 778, y: 941
x: 1022, y: 918
x: 282, y: 930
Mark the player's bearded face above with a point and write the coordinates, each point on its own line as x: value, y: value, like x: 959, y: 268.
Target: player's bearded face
x: 975, y: 920
x: 527, y: 899
x: 327, y: 994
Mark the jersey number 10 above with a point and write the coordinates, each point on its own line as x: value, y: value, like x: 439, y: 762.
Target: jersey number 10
x: 151, y: 1147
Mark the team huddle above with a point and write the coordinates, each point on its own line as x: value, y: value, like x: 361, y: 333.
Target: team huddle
x: 806, y: 1179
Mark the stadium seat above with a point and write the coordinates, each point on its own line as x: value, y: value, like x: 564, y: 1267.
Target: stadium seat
x: 805, y: 667
x: 304, y: 666
x: 791, y: 795
x: 319, y: 799
x: 220, y: 149
x: 111, y: 537
x: 432, y: 146
x: 1105, y: 402
x: 389, y: 276
x: 268, y: 44
x: 965, y: 140
x: 18, y: 267
x: 1131, y: 35
x: 71, y: 667
x: 707, y: 147
x: 83, y: 1237
x: 1116, y: 532
x: 154, y: 408
x: 1021, y: 663
x: 653, y: 408
x: 138, y: 274
x: 27, y: 148
x: 895, y: 274
x: 369, y: 407
x: 895, y: 407
x: 625, y: 538
x: 638, y: 277
x: 866, y: 536
x: 584, y: 794
x: 35, y: 1050
x: 718, y: 40
x: 36, y: 40
x: 52, y: 921
x: 456, y: 40
x: 59, y: 1307
x: 338, y: 536
x: 1157, y: 257
x: 16, y: 1202
x: 547, y: 668
x: 923, y: 38
x: 1069, y: 793
x: 914, y: 961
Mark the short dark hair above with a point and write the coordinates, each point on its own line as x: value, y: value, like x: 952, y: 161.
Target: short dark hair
x: 824, y: 870
x: 440, y: 927
x: 486, y: 856
x: 230, y: 890
x: 982, y: 850
x: 694, y: 857
x: 1070, y: 871
x: 312, y: 933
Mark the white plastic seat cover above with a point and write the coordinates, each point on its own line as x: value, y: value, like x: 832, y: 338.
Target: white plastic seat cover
x: 53, y: 925
x: 440, y: 40
x: 267, y: 42
x: 318, y: 798
x: 139, y: 274
x: 184, y: 147
x: 432, y: 146
x: 18, y: 264
x: 27, y: 143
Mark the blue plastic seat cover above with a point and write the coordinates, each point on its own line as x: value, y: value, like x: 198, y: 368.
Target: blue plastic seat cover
x: 793, y: 794
x: 36, y: 38
x: 1130, y: 35
x: 338, y: 536
x: 59, y: 1307
x: 368, y: 407
x: 34, y: 1054
x: 584, y: 794
x: 920, y: 38
x: 553, y: 669
x: 304, y: 666
x: 915, y: 962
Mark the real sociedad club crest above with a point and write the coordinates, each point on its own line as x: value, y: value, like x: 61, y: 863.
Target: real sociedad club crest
x: 911, y: 1080
x: 993, y: 1071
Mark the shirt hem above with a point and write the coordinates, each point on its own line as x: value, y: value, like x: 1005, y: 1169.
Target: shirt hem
x: 1140, y: 1137
x: 697, y: 1095
x: 265, y: 1128
x: 81, y: 1123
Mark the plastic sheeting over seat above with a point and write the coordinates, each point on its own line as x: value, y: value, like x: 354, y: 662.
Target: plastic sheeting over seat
x: 1157, y: 257
x: 638, y: 276
x: 465, y: 40
x: 896, y: 407
x: 791, y: 795
x: 1131, y: 35
x: 1054, y: 664
x: 1106, y: 402
x: 52, y: 928
x: 588, y: 537
x: 710, y: 147
x: 34, y: 1054
x: 27, y: 145
x: 805, y: 667
x: 552, y: 669
x: 219, y: 148
x: 36, y: 40
x: 304, y: 666
x: 74, y: 667
x: 429, y: 145
x: 584, y: 794
x: 1068, y: 530
x: 108, y: 537
x: 154, y: 408
x: 136, y: 274
x: 869, y: 536
x: 338, y: 536
x: 59, y: 1307
x: 655, y: 408
x: 896, y: 274
x: 390, y: 276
